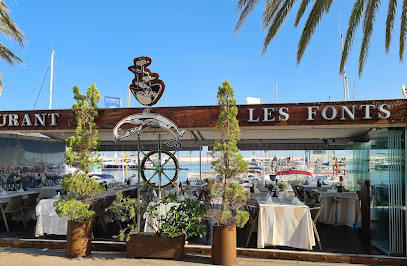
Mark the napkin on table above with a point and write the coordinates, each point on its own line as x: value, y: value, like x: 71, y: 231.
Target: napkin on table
x: 3, y: 192
x: 21, y: 190
x: 296, y: 201
x: 267, y: 198
x: 57, y: 196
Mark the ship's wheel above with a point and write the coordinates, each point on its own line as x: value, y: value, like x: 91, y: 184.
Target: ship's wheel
x: 159, y: 169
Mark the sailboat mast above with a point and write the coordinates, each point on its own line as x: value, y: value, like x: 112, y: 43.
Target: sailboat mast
x: 51, y: 79
x: 345, y: 81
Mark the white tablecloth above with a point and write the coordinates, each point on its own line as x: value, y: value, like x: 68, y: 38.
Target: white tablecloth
x: 339, y: 207
x: 46, y: 192
x: 285, y: 225
x: 151, y: 222
x: 311, y: 186
x: 48, y: 222
x: 6, y: 195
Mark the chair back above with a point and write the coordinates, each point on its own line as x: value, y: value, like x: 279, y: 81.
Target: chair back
x: 31, y: 201
x: 315, y: 212
x: 300, y: 191
x: 127, y: 193
x: 14, y: 204
x: 97, y: 207
x: 108, y: 201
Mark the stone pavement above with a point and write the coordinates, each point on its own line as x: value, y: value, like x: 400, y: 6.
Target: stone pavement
x: 56, y: 257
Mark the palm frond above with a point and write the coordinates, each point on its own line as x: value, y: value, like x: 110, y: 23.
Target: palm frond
x: 391, y: 12
x: 368, y: 21
x: 8, y: 56
x: 270, y: 9
x: 403, y: 30
x: 5, y: 21
x: 301, y: 11
x: 319, y: 8
x: 277, y: 22
x: 246, y: 7
x: 354, y: 20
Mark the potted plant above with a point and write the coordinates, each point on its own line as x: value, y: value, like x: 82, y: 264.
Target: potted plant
x: 282, y: 185
x: 181, y: 219
x: 227, y: 198
x: 80, y: 188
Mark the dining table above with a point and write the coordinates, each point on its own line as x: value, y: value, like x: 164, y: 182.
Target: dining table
x: 152, y: 223
x: 341, y: 208
x: 283, y: 223
x: 6, y: 195
x: 48, y: 222
x: 46, y: 192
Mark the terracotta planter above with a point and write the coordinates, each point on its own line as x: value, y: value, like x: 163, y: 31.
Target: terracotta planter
x: 78, y: 239
x: 153, y: 246
x: 224, y: 245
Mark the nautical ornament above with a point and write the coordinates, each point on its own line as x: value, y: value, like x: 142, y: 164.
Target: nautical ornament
x: 146, y: 87
x: 143, y: 122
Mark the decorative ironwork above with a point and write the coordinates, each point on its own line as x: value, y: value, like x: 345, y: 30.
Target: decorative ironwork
x: 158, y: 168
x: 147, y: 120
x: 146, y: 87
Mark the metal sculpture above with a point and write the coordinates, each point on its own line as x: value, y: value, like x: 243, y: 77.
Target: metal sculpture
x: 145, y: 121
x: 147, y: 88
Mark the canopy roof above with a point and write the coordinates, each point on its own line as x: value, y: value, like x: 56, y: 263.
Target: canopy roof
x: 291, y: 126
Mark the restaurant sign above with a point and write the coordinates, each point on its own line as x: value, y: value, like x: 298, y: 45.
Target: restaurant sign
x: 29, y: 120
x: 329, y: 112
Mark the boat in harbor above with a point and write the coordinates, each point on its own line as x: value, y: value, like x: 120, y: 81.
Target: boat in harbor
x: 109, y: 163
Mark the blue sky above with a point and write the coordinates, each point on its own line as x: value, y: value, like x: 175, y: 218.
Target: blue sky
x: 95, y: 41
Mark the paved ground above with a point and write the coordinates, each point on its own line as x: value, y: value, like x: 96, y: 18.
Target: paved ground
x: 56, y: 257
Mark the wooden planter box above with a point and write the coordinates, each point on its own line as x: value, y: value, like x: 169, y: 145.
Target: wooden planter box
x: 153, y: 246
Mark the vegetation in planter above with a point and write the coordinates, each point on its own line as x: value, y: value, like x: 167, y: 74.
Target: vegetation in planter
x: 282, y: 185
x: 184, y: 218
x: 229, y: 163
x: 80, y: 188
x: 125, y: 209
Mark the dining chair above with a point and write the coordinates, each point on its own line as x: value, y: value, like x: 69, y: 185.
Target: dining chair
x: 108, y: 213
x: 253, y: 220
x: 97, y: 207
x: 12, y: 206
x: 315, y: 212
x: 300, y: 191
x: 30, y: 203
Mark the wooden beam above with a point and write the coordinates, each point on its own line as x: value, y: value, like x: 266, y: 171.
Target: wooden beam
x: 373, y: 113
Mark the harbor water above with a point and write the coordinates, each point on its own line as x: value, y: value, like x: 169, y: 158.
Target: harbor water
x: 119, y: 174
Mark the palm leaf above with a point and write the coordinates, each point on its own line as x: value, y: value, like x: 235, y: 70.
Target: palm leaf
x: 354, y: 20
x: 246, y: 7
x: 319, y: 8
x: 277, y: 22
x: 403, y: 30
x: 270, y: 9
x: 368, y: 21
x: 301, y: 11
x: 8, y: 56
x: 391, y: 12
x: 6, y: 22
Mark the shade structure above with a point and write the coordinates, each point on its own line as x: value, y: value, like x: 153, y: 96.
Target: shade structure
x: 293, y: 172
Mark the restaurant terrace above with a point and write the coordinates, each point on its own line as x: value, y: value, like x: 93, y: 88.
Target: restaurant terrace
x: 375, y: 210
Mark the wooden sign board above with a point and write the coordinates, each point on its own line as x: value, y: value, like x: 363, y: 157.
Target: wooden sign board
x: 375, y: 113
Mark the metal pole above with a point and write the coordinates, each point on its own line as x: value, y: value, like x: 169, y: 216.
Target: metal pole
x: 128, y: 96
x: 200, y: 161
x: 51, y: 79
x: 128, y: 105
x: 138, y: 182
